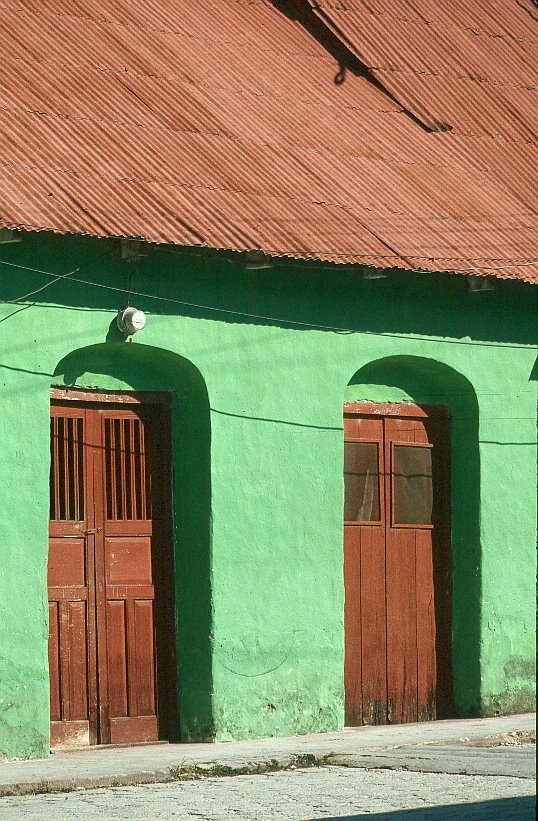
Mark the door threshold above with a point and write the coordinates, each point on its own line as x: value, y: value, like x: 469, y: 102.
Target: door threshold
x: 90, y: 748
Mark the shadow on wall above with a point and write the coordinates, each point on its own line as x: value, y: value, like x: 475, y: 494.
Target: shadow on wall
x: 521, y: 808
x: 425, y: 381
x: 120, y: 366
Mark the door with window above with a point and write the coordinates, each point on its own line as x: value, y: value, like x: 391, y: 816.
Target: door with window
x: 111, y: 638
x: 397, y: 568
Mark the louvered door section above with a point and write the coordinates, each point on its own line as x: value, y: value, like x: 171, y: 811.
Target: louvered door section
x: 128, y: 579
x: 70, y: 584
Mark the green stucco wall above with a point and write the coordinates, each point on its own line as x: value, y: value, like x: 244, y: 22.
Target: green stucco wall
x: 257, y: 462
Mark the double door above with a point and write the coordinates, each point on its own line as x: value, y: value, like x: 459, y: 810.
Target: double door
x: 397, y: 569
x: 111, y: 645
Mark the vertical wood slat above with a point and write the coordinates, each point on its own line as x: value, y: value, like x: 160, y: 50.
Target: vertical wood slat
x: 55, y: 467
x: 110, y: 456
x: 132, y: 681
x: 132, y: 475
x: 71, y: 482
x: 122, y: 489
x: 78, y: 672
x: 54, y: 661
x: 65, y: 444
x: 143, y: 473
x: 61, y: 473
x: 426, y: 627
x: 78, y: 515
x: 74, y: 468
x: 374, y: 626
x: 107, y: 477
x: 118, y: 461
x: 117, y: 658
x: 144, y: 653
x: 401, y: 629
x: 65, y: 660
x: 353, y: 679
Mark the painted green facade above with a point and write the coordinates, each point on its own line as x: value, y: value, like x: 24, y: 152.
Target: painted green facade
x: 257, y: 463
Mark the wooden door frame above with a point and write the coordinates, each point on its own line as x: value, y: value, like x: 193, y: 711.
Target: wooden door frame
x: 165, y: 633
x: 402, y: 409
x: 92, y: 397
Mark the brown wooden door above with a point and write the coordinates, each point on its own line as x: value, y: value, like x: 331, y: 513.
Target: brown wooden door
x: 396, y: 564
x: 109, y: 574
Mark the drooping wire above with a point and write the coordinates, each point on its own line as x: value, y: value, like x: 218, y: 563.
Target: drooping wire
x: 56, y: 277
x: 245, y: 314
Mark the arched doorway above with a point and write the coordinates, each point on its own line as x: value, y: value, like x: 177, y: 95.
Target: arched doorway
x: 410, y: 537
x: 125, y: 420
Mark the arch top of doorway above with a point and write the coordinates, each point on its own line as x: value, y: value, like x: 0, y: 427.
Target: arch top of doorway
x: 118, y: 397
x: 403, y: 379
x: 409, y: 409
x: 109, y: 367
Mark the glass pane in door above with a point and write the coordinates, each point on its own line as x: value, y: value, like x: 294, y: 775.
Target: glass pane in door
x: 361, y: 482
x: 412, y: 485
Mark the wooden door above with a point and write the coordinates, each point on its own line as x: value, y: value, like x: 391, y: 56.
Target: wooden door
x: 109, y: 574
x: 396, y: 564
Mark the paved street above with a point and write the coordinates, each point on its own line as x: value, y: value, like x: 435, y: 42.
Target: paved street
x: 458, y: 770
x: 103, y: 766
x: 337, y: 793
x: 457, y: 759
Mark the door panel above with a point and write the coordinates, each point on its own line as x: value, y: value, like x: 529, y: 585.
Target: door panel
x: 401, y: 628
x: 102, y: 594
x: 364, y: 564
x: 397, y: 570
x: 69, y: 582
x: 426, y: 627
x: 128, y: 572
x: 373, y: 627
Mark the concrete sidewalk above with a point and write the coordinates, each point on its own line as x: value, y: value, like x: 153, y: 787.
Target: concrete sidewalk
x: 104, y: 766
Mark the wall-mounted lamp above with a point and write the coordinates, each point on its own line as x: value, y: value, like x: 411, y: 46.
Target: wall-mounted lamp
x: 131, y: 320
x: 481, y: 283
x: 9, y: 237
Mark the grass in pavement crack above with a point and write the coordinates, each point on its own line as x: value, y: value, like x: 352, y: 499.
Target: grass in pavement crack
x: 192, y: 772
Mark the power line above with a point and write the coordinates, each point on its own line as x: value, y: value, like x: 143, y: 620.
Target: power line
x: 46, y: 273
x: 244, y: 314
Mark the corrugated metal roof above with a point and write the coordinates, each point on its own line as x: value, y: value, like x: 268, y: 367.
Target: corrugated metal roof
x: 233, y: 125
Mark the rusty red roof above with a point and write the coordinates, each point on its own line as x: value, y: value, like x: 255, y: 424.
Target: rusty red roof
x: 352, y: 131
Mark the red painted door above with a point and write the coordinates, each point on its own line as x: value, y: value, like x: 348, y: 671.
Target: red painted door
x: 109, y: 574
x: 396, y: 564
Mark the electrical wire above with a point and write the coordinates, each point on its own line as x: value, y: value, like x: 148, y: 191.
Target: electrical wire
x: 245, y: 314
x: 46, y: 273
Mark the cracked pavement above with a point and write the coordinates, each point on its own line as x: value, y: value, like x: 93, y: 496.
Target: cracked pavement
x: 327, y: 793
